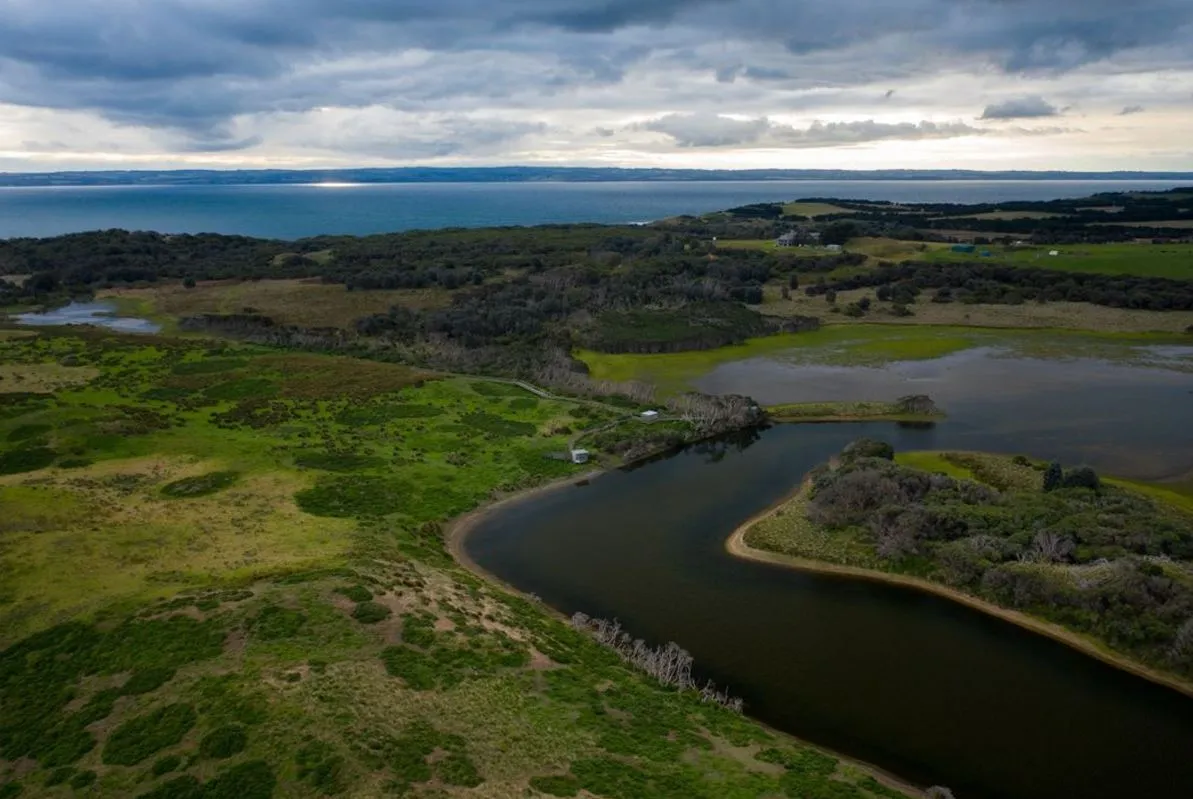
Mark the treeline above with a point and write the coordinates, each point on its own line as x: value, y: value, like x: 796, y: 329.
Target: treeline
x: 1098, y: 559
x: 999, y: 284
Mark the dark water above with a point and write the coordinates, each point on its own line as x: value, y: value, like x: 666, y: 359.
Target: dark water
x: 100, y: 314
x: 928, y: 689
x: 291, y: 212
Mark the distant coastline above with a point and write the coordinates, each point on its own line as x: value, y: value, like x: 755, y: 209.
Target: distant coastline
x: 530, y: 174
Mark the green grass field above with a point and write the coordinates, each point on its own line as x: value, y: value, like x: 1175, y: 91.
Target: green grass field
x: 1174, y: 261
x: 813, y: 209
x: 223, y: 574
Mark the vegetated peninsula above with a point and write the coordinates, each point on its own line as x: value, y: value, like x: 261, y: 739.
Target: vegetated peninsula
x: 1108, y: 563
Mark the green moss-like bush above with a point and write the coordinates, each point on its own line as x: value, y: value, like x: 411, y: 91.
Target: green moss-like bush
x: 28, y: 431
x: 184, y: 787
x: 84, y: 779
x: 252, y: 780
x: 223, y: 742
x: 458, y: 769
x: 556, y: 785
x: 19, y: 461
x: 11, y: 790
x: 208, y: 366
x: 98, y: 706
x: 146, y: 735
x: 248, y: 388
x: 338, y: 461
x: 416, y: 669
x: 356, y: 496
x: 166, y: 764
x: 59, y: 775
x: 382, y: 413
x: 371, y: 612
x: 200, y: 485
x: 147, y: 680
x: 321, y: 767
x: 357, y: 593
x: 497, y: 426
x: 274, y: 623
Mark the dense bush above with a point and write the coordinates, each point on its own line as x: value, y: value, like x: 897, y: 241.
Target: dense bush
x: 201, y: 485
x: 223, y: 742
x: 138, y: 738
x: 997, y: 540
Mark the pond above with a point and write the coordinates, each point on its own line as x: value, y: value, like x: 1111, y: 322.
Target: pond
x: 930, y: 690
x: 101, y: 314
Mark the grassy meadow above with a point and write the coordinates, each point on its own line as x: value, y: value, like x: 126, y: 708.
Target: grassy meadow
x: 223, y: 574
x: 874, y: 345
x: 301, y: 302
x: 1173, y: 261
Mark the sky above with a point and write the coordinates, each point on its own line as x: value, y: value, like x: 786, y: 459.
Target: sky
x: 794, y: 84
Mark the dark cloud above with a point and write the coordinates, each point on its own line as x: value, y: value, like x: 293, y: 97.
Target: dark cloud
x: 1131, y: 109
x: 192, y: 67
x: 1031, y: 107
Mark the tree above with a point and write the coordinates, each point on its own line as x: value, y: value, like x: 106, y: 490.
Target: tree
x: 1082, y: 477
x: 839, y: 232
x: 786, y: 292
x: 188, y: 283
x: 830, y: 297
x: 864, y: 303
x: 793, y: 282
x: 1053, y: 476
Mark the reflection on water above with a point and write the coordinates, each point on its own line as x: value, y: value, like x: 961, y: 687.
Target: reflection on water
x: 1130, y: 420
x: 929, y: 689
x: 101, y: 314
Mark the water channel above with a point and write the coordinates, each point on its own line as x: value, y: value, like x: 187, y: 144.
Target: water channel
x: 930, y: 690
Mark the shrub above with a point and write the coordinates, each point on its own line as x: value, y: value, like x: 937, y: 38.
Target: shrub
x: 416, y: 669
x: 347, y: 497
x: 357, y: 593
x: 147, y: 680
x: 83, y: 779
x: 319, y: 765
x: 223, y: 742
x: 208, y: 366
x: 338, y: 461
x: 275, y: 623
x: 31, y: 459
x: 1082, y: 477
x: 869, y: 448
x: 458, y: 769
x: 166, y: 764
x: 371, y: 613
x: 252, y: 780
x: 497, y: 426
x: 556, y: 785
x: 28, y: 431
x: 184, y: 787
x: 59, y: 776
x: 1053, y: 477
x: 200, y: 486
x: 145, y: 735
x: 247, y: 388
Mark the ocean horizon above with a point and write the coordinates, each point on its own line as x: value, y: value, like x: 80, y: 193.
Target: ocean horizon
x: 296, y: 211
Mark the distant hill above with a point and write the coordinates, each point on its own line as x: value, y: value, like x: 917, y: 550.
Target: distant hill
x: 521, y: 174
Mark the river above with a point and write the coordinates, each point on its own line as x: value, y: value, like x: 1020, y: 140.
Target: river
x: 930, y: 690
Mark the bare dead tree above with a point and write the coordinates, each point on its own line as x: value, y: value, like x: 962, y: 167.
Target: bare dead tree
x: 670, y: 664
x: 1181, y: 650
x: 938, y: 792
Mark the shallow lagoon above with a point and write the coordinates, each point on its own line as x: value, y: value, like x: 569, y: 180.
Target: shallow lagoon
x: 933, y: 691
x: 101, y: 314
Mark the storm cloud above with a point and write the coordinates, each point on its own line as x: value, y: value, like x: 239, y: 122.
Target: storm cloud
x: 531, y: 78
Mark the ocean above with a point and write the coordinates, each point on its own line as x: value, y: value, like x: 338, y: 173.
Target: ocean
x: 297, y: 211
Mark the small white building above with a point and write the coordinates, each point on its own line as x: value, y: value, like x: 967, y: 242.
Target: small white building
x: 1054, y: 252
x: 649, y: 416
x: 833, y: 248
x: 580, y: 456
